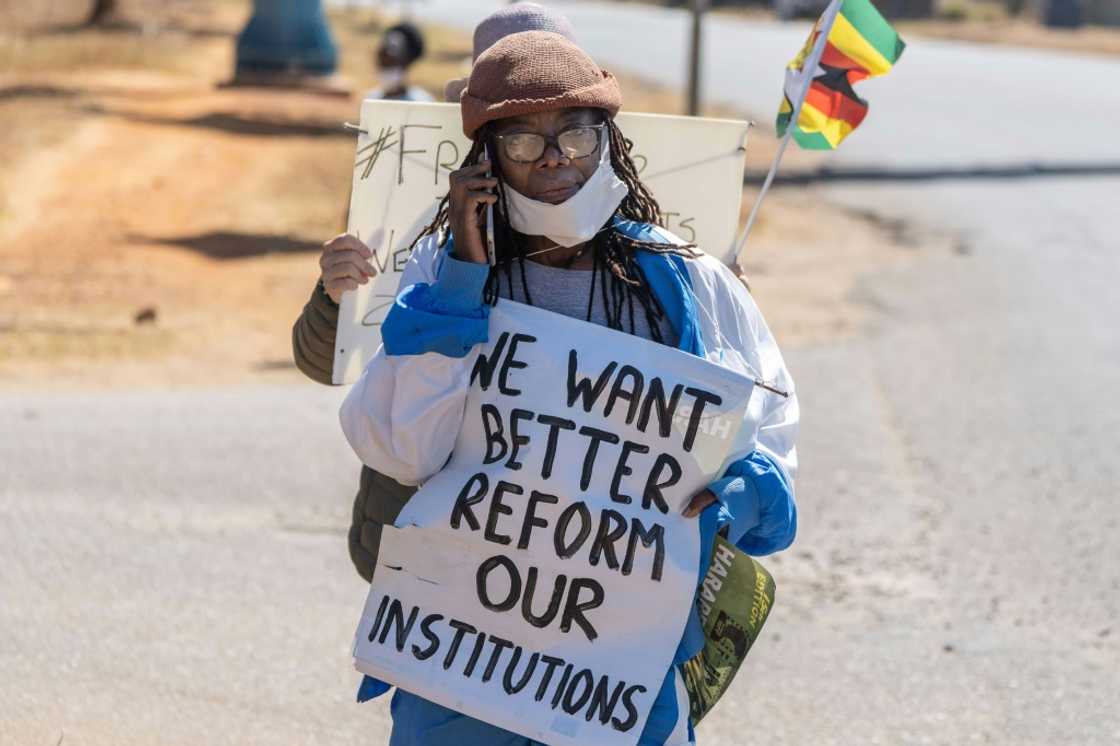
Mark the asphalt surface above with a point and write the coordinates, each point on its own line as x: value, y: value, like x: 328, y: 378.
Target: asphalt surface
x: 173, y: 565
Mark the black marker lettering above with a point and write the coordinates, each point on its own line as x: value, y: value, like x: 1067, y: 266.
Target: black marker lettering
x: 686, y: 224
x: 631, y: 395
x: 584, y: 388
x: 601, y: 702
x: 461, y: 628
x: 433, y: 639
x: 652, y: 494
x: 566, y: 550
x: 496, y: 445
x: 499, y: 645
x: 572, y: 705
x: 553, y: 602
x: 655, y: 396
x: 499, y: 508
x: 531, y: 519
x: 574, y: 609
x: 396, y: 612
x: 466, y: 499
x: 400, y: 259
x: 507, y: 680
x: 550, y: 665
x: 703, y: 398
x: 451, y: 163
x: 596, y: 436
x: 516, y: 440
x: 483, y: 573
x: 555, y: 425
x: 377, y: 619
x: 622, y: 470
x: 655, y: 536
x: 479, y: 641
x: 403, y: 152
x: 631, y: 710
x: 562, y: 686
x: 512, y: 362
x: 485, y: 366
x: 606, y: 536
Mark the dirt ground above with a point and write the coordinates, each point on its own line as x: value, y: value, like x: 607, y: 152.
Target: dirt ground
x: 157, y: 229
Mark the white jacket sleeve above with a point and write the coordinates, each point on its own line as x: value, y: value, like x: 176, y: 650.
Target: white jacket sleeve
x: 737, y: 336
x: 403, y: 415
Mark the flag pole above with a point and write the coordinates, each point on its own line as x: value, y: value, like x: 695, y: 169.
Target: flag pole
x: 762, y: 193
x: 827, y: 20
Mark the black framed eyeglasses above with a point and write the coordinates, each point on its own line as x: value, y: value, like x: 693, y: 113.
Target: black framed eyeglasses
x: 575, y: 142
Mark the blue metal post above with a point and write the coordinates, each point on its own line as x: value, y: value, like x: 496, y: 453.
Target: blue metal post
x: 286, y: 38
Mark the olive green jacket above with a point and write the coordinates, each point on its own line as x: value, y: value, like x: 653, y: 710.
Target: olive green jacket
x: 380, y: 498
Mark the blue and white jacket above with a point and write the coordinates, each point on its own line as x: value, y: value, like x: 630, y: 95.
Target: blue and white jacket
x: 404, y: 413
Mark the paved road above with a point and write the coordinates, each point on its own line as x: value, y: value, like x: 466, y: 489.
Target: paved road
x: 173, y: 570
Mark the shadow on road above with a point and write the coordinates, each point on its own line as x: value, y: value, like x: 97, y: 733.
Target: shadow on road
x: 240, y: 124
x: 233, y: 245
x: 1011, y: 172
x: 135, y: 28
x: 13, y: 92
x: 271, y: 366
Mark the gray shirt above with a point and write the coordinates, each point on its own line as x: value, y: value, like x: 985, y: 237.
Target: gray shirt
x: 567, y: 291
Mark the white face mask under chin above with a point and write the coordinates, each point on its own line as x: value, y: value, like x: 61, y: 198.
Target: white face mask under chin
x: 577, y: 218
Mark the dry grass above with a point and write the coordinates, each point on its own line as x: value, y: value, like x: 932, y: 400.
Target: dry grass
x: 73, y: 50
x: 56, y: 15
x: 48, y: 37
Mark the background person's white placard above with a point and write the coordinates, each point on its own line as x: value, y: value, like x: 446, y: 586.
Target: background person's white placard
x: 693, y: 166
x: 589, y: 487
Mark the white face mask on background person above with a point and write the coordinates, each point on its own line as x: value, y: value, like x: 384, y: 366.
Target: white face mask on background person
x: 391, y: 78
x: 577, y: 218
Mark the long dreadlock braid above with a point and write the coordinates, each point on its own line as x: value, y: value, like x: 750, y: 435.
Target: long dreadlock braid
x: 616, y: 271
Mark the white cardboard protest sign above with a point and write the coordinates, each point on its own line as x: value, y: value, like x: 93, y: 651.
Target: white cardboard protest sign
x: 693, y: 166
x: 542, y: 580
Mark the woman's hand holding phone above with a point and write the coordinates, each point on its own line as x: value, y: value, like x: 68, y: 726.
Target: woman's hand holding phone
x: 471, y: 193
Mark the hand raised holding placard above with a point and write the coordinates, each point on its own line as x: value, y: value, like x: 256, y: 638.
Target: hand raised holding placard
x: 345, y: 265
x: 469, y: 195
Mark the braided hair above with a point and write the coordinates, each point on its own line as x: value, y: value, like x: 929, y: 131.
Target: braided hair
x: 616, y: 273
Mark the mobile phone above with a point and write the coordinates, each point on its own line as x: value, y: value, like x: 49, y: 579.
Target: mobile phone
x: 491, y: 254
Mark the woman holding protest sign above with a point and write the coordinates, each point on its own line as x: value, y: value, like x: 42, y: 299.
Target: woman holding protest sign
x: 574, y: 232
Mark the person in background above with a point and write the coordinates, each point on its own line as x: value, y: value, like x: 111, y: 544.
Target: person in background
x: 344, y: 266
x: 400, y: 47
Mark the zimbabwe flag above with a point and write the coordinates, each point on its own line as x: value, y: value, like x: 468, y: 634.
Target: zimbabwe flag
x: 860, y: 44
